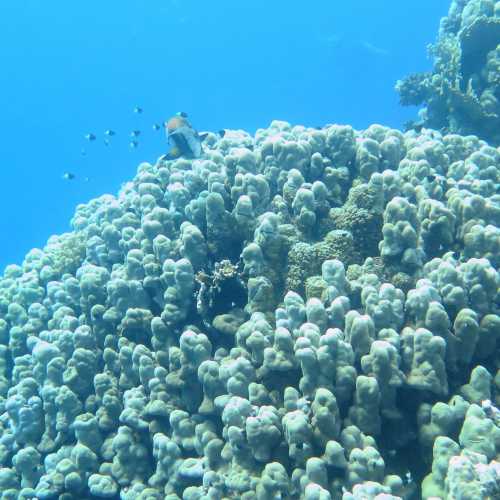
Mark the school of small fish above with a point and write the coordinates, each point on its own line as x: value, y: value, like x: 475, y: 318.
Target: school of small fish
x: 184, y: 140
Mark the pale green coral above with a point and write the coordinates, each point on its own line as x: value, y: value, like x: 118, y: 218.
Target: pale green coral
x: 121, y: 376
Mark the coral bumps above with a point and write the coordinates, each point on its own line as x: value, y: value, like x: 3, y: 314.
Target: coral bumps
x: 301, y: 314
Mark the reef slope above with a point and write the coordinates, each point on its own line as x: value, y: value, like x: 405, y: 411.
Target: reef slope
x: 303, y: 313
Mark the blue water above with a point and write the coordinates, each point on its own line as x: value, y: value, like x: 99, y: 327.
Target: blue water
x: 69, y: 68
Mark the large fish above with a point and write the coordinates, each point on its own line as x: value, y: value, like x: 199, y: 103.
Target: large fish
x: 183, y: 138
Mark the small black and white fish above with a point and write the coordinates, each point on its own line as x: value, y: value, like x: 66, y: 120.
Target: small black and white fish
x: 90, y: 136
x: 156, y: 126
x: 110, y: 133
x: 68, y: 176
x: 133, y: 144
x: 138, y: 110
x: 135, y: 133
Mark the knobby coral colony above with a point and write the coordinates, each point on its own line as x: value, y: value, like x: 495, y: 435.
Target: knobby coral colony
x: 300, y: 314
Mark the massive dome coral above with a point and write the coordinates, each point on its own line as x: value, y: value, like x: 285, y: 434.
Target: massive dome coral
x: 300, y: 314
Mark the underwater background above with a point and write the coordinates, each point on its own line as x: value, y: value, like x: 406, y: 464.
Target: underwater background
x: 296, y: 296
x: 72, y: 68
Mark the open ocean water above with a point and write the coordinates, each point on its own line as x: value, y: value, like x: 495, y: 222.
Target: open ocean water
x: 73, y: 68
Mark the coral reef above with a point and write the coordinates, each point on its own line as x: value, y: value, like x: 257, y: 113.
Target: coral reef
x: 301, y: 314
x: 462, y: 93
